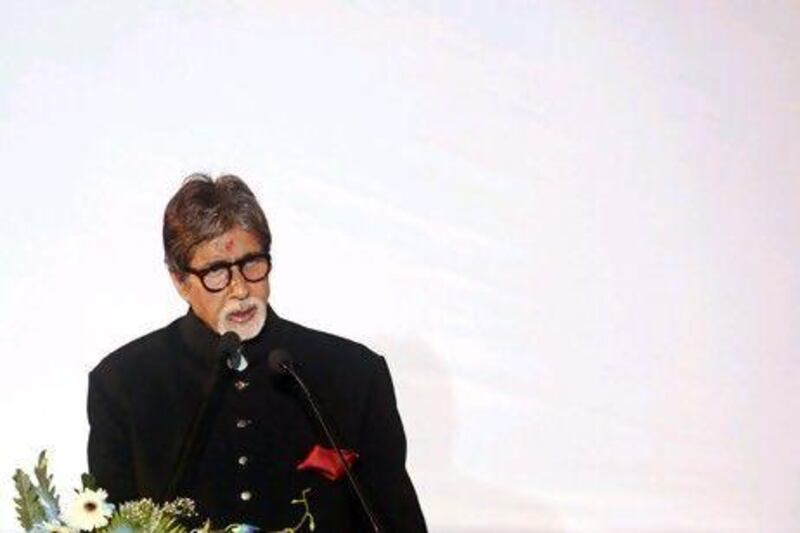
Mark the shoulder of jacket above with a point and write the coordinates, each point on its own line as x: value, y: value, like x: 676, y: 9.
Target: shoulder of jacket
x: 315, y: 343
x: 138, y: 353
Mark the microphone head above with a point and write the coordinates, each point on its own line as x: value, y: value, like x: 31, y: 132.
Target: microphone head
x: 229, y: 343
x: 230, y: 349
x: 280, y: 361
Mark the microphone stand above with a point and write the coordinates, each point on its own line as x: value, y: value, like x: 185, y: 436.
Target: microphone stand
x: 191, y: 441
x: 288, y: 368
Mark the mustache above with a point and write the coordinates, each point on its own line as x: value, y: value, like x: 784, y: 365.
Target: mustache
x: 244, y: 305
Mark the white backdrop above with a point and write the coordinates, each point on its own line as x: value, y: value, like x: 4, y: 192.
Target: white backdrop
x: 571, y: 228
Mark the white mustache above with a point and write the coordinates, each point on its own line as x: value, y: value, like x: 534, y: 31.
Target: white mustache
x: 240, y: 310
x: 238, y: 307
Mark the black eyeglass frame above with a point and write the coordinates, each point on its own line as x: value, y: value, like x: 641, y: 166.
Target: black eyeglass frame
x: 239, y: 263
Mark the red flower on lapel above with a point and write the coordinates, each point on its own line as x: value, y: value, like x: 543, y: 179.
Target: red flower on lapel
x: 327, y: 461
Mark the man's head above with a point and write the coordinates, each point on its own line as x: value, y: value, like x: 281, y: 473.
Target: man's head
x: 216, y: 246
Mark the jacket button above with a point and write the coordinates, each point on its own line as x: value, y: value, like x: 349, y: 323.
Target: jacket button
x: 240, y: 384
x: 243, y: 460
x: 246, y: 496
x: 243, y: 423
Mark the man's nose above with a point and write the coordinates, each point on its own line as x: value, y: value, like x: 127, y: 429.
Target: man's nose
x: 239, y: 287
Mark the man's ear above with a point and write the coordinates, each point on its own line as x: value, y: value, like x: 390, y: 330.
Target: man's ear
x: 181, y: 282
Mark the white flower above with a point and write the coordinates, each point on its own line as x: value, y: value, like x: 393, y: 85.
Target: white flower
x: 89, y: 510
x: 54, y: 526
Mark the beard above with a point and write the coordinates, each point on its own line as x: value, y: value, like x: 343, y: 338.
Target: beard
x: 255, y: 311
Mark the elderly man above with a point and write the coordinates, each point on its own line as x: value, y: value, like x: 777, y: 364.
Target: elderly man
x: 168, y: 419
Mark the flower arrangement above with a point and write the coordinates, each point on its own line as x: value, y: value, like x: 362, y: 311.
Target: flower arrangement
x: 38, y: 507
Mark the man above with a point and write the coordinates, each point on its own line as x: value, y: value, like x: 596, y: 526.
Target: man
x: 168, y: 418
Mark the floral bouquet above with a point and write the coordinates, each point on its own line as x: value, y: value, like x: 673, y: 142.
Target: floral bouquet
x: 39, y: 510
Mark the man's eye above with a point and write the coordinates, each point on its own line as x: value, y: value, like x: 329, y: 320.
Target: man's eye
x: 217, y: 272
x: 255, y: 267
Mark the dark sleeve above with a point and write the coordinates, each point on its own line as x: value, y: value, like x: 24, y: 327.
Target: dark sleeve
x: 109, y: 448
x: 382, y: 465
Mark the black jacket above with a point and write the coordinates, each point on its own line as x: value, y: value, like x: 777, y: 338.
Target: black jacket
x: 143, y: 397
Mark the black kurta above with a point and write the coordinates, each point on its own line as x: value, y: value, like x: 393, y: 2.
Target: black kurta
x: 142, y: 399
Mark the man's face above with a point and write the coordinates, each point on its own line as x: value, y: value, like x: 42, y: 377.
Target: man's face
x: 240, y: 307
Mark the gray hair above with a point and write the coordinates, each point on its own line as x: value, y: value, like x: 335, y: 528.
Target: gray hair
x: 203, y: 209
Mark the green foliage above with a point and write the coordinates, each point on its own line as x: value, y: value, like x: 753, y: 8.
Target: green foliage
x: 307, y: 519
x: 46, y: 492
x: 88, y: 482
x: 180, y: 508
x: 166, y: 524
x: 39, y: 503
x: 139, y: 512
x: 29, y: 509
x: 154, y: 522
x: 119, y: 524
x: 146, y: 516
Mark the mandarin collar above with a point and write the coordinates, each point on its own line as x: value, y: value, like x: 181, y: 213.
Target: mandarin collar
x: 203, y: 342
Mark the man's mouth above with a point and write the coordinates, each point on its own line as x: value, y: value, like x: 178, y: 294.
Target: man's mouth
x: 240, y: 317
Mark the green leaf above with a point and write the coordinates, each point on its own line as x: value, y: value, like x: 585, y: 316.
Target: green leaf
x: 167, y: 524
x: 89, y: 482
x: 29, y: 508
x: 119, y: 524
x: 46, y: 492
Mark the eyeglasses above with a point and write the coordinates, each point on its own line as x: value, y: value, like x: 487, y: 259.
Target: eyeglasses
x: 217, y: 276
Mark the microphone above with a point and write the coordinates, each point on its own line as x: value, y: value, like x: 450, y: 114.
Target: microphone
x: 281, y: 363
x: 230, y: 347
x: 229, y: 350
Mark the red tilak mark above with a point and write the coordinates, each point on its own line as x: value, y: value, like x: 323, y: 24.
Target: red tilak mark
x: 229, y: 245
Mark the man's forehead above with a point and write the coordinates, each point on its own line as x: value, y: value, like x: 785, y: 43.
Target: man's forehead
x: 229, y: 242
x: 230, y: 245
